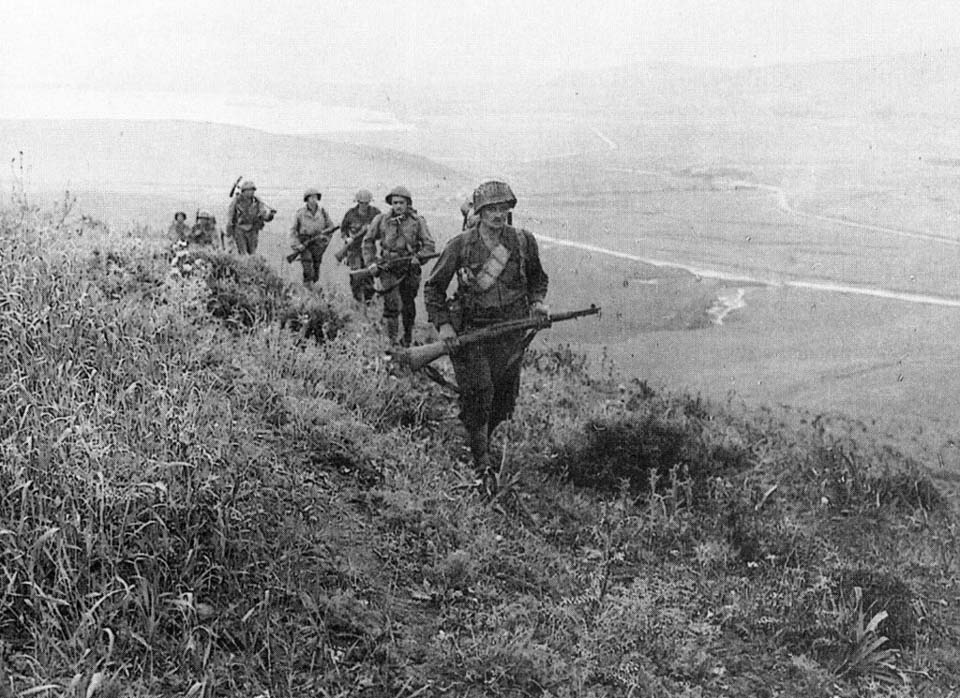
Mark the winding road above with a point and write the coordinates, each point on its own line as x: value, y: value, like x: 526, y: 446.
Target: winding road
x: 783, y: 203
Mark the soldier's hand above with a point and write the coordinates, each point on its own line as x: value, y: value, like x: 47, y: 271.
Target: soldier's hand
x: 373, y: 268
x: 540, y: 310
x: 447, y: 332
x: 299, y: 247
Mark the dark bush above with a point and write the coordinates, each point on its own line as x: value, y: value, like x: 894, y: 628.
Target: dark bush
x: 315, y: 319
x: 857, y: 484
x: 882, y: 591
x: 608, y: 453
x: 244, y: 290
x: 909, y: 492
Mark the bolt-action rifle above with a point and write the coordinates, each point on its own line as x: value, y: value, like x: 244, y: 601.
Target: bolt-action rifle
x: 233, y: 189
x: 416, y: 358
x: 319, y: 236
x: 349, y: 243
x: 374, y: 270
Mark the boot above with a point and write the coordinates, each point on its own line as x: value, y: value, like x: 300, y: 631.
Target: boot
x: 482, y: 462
x: 393, y: 326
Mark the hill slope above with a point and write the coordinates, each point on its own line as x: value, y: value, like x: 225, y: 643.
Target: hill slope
x: 211, y: 485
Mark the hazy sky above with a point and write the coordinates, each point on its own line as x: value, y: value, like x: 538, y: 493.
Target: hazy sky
x: 209, y: 45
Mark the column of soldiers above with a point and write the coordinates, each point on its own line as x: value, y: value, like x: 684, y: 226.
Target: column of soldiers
x: 496, y: 266
x: 204, y: 230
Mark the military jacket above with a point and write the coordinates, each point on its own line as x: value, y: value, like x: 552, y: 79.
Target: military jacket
x: 307, y: 224
x: 203, y: 233
x: 521, y: 282
x: 353, y: 222
x: 399, y: 237
x: 247, y: 214
x: 179, y: 231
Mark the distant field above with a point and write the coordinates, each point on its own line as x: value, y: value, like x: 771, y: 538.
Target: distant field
x: 857, y: 205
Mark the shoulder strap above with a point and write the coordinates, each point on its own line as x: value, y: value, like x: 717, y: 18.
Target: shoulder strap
x: 522, y: 248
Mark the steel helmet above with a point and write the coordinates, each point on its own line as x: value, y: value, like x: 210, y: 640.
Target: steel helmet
x: 493, y: 192
x: 180, y: 215
x: 206, y: 215
x: 400, y: 191
x: 247, y: 185
x: 310, y: 192
x: 363, y: 197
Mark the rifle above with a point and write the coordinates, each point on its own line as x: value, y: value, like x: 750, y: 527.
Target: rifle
x: 233, y: 189
x: 322, y: 234
x: 368, y: 273
x: 349, y: 243
x: 416, y: 358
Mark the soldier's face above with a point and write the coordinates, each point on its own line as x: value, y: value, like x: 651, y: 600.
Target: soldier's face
x: 495, y: 215
x: 399, y: 205
x: 247, y: 192
x: 363, y: 206
x: 312, y: 201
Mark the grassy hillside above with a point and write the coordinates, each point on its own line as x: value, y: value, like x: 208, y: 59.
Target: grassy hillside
x: 212, y: 485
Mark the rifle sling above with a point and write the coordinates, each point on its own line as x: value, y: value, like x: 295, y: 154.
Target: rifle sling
x: 392, y: 286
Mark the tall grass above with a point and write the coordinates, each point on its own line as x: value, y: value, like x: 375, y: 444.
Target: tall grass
x: 212, y: 484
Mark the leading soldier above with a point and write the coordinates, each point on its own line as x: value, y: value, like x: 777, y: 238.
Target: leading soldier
x: 245, y: 218
x: 499, y: 277
x: 310, y: 235
x: 355, y: 224
x: 402, y: 233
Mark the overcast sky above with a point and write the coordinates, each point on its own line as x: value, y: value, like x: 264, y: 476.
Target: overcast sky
x: 209, y: 45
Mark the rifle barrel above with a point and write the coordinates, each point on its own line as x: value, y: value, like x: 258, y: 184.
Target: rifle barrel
x: 417, y: 357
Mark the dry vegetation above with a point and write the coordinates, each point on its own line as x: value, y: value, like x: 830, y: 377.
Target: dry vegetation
x: 213, y: 486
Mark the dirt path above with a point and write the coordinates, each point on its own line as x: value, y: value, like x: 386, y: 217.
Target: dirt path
x: 809, y: 284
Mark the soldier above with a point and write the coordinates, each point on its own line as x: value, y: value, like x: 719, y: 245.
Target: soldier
x: 402, y: 232
x: 179, y: 231
x: 246, y: 217
x: 499, y: 277
x: 310, y: 234
x: 204, y: 231
x: 355, y: 224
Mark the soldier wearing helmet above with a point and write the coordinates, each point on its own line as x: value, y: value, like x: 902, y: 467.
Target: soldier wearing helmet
x: 179, y: 231
x: 401, y: 232
x: 499, y: 277
x: 204, y: 230
x: 310, y: 235
x: 246, y: 217
x: 356, y: 223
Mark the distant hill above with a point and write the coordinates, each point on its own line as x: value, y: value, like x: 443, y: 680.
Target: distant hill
x: 902, y: 84
x: 174, y: 155
x: 909, y: 84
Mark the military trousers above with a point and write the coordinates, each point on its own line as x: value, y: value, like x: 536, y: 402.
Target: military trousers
x: 488, y: 374
x: 401, y: 296
x: 311, y: 258
x: 246, y: 240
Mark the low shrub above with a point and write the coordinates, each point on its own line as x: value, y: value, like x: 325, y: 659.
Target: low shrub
x: 244, y: 290
x: 640, y: 448
x: 313, y: 317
